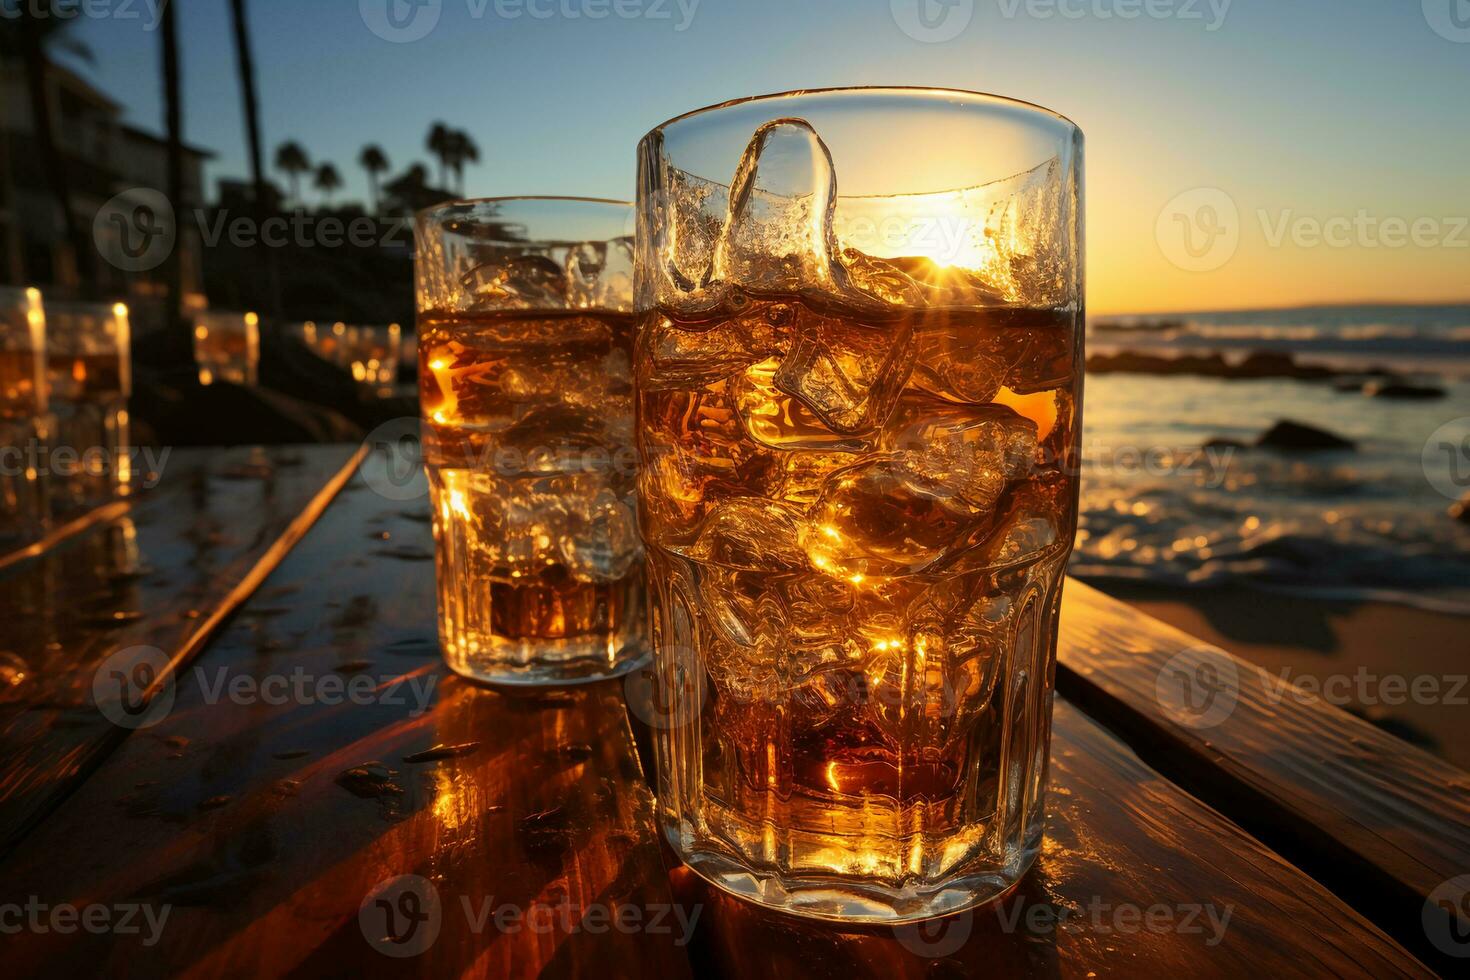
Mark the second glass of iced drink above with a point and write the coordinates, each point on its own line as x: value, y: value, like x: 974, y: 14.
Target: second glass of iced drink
x: 525, y: 346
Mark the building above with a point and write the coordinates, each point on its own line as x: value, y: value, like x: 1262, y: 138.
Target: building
x: 103, y: 157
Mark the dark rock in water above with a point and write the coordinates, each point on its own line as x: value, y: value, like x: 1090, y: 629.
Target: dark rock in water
x: 1460, y: 509
x: 1351, y: 386
x: 1402, y: 390
x: 1257, y: 364
x: 1275, y: 364
x: 1220, y: 442
x: 1134, y: 362
x: 1287, y: 434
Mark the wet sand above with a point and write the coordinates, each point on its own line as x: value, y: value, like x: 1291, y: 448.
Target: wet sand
x: 1367, y: 656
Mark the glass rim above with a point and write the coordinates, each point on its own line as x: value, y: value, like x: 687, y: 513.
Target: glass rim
x: 897, y: 90
x: 425, y: 214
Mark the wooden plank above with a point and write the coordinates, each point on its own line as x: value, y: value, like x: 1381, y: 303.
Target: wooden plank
x: 68, y: 528
x: 1384, y: 824
x: 1136, y: 879
x: 266, y: 823
x: 131, y: 599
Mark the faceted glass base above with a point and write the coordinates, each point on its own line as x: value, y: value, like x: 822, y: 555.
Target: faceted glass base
x: 549, y: 663
x: 834, y: 899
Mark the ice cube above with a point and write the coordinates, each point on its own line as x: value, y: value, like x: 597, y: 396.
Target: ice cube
x: 522, y: 535
x: 527, y: 282
x: 740, y: 608
x: 849, y: 375
x: 554, y: 439
x: 774, y: 418
x: 778, y: 236
x: 599, y: 275
x: 600, y: 542
x: 953, y: 363
x: 1027, y: 224
x: 753, y: 534
x: 694, y: 452
x: 972, y: 452
x: 1030, y: 526
x: 882, y: 518
x: 969, y: 357
x: 742, y: 674
x: 695, y: 354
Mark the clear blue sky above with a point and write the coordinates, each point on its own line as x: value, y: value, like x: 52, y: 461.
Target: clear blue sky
x: 1323, y: 107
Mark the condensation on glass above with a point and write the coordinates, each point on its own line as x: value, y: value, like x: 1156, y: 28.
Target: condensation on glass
x: 859, y: 387
x: 525, y: 331
x: 89, y: 372
x: 24, y: 417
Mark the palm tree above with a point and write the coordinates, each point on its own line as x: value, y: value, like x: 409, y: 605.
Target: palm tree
x: 179, y: 345
x: 27, y: 31
x: 375, y: 162
x: 441, y: 145
x: 327, y: 181
x: 291, y: 160
x: 245, y: 62
x: 463, y: 150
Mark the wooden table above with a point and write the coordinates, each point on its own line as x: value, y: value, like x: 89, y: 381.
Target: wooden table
x: 293, y: 748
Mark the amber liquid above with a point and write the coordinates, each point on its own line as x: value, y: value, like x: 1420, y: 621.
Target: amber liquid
x: 528, y: 450
x: 85, y: 377
x: 857, y: 530
x: 19, y: 370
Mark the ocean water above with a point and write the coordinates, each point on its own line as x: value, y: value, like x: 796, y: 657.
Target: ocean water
x: 1365, y: 523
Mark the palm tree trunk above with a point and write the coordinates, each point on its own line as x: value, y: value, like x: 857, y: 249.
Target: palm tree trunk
x: 36, y: 72
x: 246, y: 61
x: 179, y: 343
x: 376, y: 192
